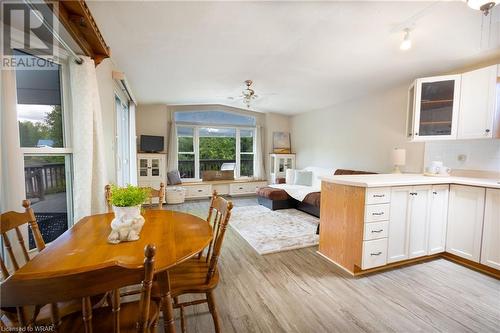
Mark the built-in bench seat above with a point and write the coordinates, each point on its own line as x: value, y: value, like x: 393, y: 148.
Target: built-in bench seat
x: 204, y: 189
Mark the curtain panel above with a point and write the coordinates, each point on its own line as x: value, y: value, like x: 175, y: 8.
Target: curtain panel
x: 172, y: 148
x: 89, y: 171
x: 259, y: 169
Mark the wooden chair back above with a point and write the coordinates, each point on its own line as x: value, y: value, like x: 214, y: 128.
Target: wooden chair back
x: 21, y: 292
x: 12, y: 221
x: 153, y: 193
x: 219, y: 214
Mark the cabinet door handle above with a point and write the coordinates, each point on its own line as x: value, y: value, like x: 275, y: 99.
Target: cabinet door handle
x: 487, y: 130
x: 378, y: 214
x: 377, y: 231
x: 379, y: 195
x: 434, y: 192
x: 376, y: 254
x: 416, y: 133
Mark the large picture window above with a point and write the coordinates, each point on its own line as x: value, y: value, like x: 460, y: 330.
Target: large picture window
x: 207, y: 140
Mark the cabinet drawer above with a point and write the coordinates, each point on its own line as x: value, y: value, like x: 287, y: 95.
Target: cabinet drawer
x: 377, y: 212
x: 198, y: 191
x: 376, y: 230
x: 378, y: 195
x: 244, y: 188
x: 374, y: 253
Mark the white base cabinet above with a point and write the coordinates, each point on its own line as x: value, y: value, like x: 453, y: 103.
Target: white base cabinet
x: 490, y: 251
x: 465, y: 221
x: 408, y: 225
x: 438, y: 218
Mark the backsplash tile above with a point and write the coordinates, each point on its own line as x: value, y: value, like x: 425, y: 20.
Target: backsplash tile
x: 480, y: 154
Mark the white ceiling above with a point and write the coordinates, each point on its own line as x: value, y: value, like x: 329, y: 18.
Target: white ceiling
x: 301, y: 55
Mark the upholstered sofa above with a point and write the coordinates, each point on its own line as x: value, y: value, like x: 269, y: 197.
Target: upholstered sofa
x: 304, y: 198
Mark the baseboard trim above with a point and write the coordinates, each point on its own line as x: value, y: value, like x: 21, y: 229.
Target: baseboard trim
x: 445, y: 255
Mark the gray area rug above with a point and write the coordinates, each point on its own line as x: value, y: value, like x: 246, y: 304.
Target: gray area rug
x: 270, y: 231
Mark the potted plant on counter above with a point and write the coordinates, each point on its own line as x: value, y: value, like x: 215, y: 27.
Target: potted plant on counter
x: 128, y: 222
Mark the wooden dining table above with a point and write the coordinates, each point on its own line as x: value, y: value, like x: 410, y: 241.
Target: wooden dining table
x: 83, y: 248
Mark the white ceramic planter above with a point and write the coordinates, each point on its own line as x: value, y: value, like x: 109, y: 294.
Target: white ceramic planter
x: 127, y: 224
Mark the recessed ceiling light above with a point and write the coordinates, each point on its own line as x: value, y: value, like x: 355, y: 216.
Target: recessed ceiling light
x: 406, y: 43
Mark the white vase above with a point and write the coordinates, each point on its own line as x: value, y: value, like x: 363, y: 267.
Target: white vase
x: 127, y: 224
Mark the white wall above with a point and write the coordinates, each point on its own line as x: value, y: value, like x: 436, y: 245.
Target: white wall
x: 152, y: 119
x: 273, y: 123
x: 483, y: 155
x: 359, y: 134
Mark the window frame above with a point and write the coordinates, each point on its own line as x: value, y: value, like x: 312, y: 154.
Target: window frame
x: 196, y: 147
x: 67, y: 149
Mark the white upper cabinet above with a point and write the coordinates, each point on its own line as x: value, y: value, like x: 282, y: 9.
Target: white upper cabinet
x: 490, y: 251
x: 465, y: 221
x: 433, y: 109
x: 450, y: 107
x: 438, y: 218
x: 478, y: 104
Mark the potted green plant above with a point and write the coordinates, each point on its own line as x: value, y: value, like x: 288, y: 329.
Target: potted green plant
x: 128, y: 222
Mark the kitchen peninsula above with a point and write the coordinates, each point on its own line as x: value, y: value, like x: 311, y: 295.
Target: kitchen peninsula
x: 374, y: 222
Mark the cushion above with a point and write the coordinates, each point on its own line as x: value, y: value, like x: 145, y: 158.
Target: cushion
x: 352, y: 172
x: 174, y: 177
x: 303, y: 178
x: 289, y: 176
x: 272, y: 193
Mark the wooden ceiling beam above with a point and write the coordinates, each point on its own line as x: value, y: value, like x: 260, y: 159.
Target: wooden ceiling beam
x: 76, y: 17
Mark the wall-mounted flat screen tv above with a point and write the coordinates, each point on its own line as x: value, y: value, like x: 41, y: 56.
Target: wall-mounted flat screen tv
x: 151, y: 143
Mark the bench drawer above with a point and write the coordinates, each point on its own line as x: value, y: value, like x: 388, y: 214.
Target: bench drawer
x: 196, y: 191
x: 375, y: 213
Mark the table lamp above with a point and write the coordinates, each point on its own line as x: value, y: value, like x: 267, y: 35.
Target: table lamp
x: 398, y: 159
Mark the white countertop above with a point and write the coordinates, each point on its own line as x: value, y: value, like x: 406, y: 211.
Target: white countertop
x: 382, y: 180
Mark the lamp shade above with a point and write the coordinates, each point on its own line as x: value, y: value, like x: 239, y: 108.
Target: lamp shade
x: 399, y: 156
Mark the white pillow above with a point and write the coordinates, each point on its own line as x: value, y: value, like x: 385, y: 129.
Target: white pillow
x: 303, y: 177
x: 290, y: 176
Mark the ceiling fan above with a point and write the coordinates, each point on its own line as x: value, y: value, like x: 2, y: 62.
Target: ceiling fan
x: 247, y: 95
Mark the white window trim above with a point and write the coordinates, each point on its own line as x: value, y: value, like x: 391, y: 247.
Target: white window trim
x: 196, y: 147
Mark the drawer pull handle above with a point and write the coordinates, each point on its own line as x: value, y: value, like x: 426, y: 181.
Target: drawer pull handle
x: 378, y: 214
x: 376, y: 254
x: 240, y: 188
x: 379, y: 195
x: 200, y: 190
x: 377, y: 231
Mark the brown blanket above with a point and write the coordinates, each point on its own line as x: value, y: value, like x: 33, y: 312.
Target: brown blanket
x: 272, y: 193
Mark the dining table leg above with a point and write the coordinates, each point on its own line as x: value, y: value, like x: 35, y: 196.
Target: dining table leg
x: 166, y: 302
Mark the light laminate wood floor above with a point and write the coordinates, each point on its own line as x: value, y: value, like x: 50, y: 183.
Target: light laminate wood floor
x: 298, y: 291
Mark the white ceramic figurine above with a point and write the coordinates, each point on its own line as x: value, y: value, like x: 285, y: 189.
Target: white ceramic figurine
x: 127, y: 224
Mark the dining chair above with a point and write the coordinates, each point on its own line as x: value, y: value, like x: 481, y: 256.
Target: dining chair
x: 13, y: 221
x: 153, y: 193
x: 43, y: 312
x: 200, y: 275
x: 139, y: 316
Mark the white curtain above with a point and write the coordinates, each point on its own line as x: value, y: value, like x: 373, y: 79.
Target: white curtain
x: 172, y: 148
x: 89, y: 170
x: 259, y: 170
x: 12, y: 190
x: 133, y: 144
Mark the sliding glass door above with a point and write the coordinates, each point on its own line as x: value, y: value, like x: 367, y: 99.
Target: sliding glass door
x: 122, y: 142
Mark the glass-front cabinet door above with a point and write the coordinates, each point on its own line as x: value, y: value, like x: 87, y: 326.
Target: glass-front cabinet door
x: 436, y: 106
x: 143, y: 167
x: 155, y: 167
